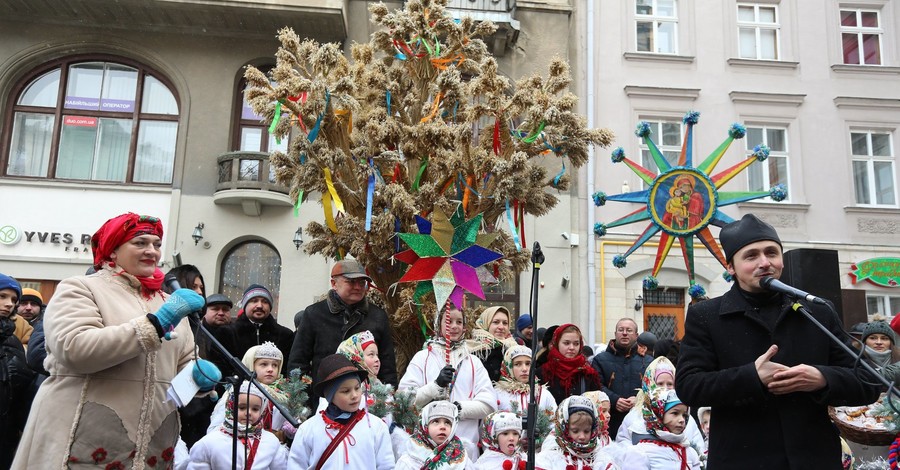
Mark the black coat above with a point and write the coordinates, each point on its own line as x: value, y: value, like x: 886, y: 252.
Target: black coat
x: 321, y: 331
x: 752, y: 428
x: 620, y: 377
x: 242, y: 334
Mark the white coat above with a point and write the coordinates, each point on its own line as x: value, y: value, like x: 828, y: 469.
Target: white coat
x: 367, y: 447
x: 634, y: 422
x: 649, y: 456
x: 213, y: 452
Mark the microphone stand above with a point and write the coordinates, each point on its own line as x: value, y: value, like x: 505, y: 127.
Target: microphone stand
x: 891, y: 390
x: 242, y: 373
x: 537, y: 259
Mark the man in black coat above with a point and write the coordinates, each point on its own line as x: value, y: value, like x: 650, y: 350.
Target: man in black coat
x: 768, y: 372
x: 254, y: 326
x: 620, y: 368
x: 343, y: 313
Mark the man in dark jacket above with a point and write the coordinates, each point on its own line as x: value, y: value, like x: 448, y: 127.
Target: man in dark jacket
x: 768, y: 372
x: 343, y: 313
x: 253, y: 327
x: 621, y: 368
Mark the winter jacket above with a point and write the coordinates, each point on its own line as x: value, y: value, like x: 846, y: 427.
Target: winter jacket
x: 242, y: 334
x: 15, y: 392
x: 325, y: 325
x: 755, y: 429
x: 620, y: 377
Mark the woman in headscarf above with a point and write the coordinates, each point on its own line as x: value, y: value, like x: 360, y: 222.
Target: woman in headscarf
x: 566, y: 371
x: 104, y: 404
x: 490, y: 338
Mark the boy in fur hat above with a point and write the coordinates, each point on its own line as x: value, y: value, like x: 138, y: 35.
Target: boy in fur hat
x: 257, y: 448
x: 665, y: 447
x: 500, y: 436
x: 342, y: 436
x: 435, y: 445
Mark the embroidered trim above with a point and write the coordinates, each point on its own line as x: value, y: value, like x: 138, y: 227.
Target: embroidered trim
x: 75, y: 420
x: 146, y: 334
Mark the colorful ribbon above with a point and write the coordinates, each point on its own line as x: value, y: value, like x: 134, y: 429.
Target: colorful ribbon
x: 329, y: 216
x: 559, y: 175
x: 434, y: 108
x: 370, y: 194
x: 314, y: 132
x: 512, y: 227
x: 334, y: 195
x: 415, y: 186
x: 275, y: 121
x: 387, y: 98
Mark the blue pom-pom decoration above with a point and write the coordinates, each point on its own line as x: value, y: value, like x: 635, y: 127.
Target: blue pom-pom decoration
x: 617, y: 155
x: 737, y: 131
x: 727, y: 277
x: 691, y: 117
x: 778, y: 192
x: 697, y: 291
x: 599, y: 198
x: 643, y: 129
x: 650, y: 283
x: 599, y: 229
x: 619, y: 261
x: 761, y: 152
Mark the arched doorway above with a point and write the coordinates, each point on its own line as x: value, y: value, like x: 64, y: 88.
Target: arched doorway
x: 250, y: 262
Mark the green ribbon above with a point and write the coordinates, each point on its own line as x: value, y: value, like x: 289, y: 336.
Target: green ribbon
x: 299, y: 201
x: 415, y: 186
x: 275, y: 122
x: 537, y: 133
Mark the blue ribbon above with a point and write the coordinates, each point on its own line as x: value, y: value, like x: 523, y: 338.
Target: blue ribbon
x: 400, y: 56
x: 560, y: 174
x: 388, y: 99
x: 314, y: 132
x: 512, y: 227
x: 396, y: 235
x: 369, y: 196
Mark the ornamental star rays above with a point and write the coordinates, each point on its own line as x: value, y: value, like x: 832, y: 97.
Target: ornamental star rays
x: 682, y: 201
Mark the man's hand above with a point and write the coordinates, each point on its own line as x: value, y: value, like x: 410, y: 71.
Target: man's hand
x: 800, y: 378
x: 624, y: 404
x: 766, y: 368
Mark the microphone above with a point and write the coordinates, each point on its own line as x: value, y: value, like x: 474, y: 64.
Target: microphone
x: 172, y: 283
x: 775, y: 285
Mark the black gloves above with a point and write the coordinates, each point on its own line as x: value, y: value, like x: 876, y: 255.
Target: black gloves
x: 445, y: 377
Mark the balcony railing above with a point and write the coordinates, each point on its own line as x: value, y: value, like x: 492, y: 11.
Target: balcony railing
x: 248, y: 179
x: 498, y: 11
x: 482, y: 5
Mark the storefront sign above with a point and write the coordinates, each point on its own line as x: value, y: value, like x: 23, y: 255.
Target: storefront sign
x: 94, y: 104
x: 80, y: 121
x: 879, y: 271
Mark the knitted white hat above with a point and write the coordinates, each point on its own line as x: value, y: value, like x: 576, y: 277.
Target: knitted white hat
x: 268, y: 350
x: 506, y: 421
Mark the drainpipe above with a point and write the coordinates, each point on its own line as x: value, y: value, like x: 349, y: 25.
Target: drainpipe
x: 591, y: 123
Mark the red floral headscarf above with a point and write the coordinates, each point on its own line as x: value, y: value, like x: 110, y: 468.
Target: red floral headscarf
x: 119, y: 230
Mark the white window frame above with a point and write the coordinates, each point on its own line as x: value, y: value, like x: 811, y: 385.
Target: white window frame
x: 870, y: 166
x: 656, y: 136
x: 884, y: 307
x: 859, y: 31
x: 758, y: 26
x: 656, y: 20
x: 764, y: 165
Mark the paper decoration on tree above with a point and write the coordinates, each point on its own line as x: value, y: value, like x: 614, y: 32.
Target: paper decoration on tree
x: 446, y: 255
x: 682, y: 201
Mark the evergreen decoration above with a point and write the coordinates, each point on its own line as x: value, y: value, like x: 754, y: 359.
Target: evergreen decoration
x: 418, y: 117
x: 382, y: 396
x: 296, y: 388
x: 404, y: 411
x: 542, y: 426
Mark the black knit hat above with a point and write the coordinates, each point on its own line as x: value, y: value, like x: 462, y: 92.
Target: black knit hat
x: 335, y: 367
x: 741, y: 233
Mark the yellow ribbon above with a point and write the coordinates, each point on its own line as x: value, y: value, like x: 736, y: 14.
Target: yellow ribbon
x: 349, y: 117
x: 329, y: 217
x: 334, y: 195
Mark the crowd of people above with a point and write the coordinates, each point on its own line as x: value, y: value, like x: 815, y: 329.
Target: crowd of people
x: 85, y: 376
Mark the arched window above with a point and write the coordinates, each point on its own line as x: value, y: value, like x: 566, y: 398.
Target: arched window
x: 251, y: 134
x: 251, y: 262
x: 95, y: 119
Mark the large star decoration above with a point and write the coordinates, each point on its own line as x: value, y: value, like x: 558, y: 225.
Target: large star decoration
x: 447, y: 257
x: 682, y: 201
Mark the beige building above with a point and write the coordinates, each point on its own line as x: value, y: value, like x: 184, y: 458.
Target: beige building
x: 136, y: 106
x: 815, y: 81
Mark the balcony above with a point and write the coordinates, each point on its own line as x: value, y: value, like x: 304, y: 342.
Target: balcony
x: 323, y: 20
x: 498, y: 11
x: 247, y: 179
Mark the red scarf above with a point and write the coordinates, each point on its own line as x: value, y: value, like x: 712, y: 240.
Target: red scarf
x: 150, y: 285
x: 566, y: 370
x: 119, y: 230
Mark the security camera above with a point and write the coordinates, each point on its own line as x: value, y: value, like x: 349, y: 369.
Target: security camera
x: 564, y: 235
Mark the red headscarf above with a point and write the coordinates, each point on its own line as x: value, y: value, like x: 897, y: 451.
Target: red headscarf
x: 567, y: 370
x: 119, y: 230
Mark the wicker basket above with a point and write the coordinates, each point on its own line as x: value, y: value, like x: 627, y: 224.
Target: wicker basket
x: 869, y: 437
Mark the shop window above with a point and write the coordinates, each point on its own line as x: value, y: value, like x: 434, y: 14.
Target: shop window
x: 104, y: 119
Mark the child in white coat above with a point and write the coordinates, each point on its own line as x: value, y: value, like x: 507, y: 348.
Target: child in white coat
x: 665, y: 447
x: 500, y: 435
x: 445, y: 370
x: 575, y: 444
x: 257, y: 448
x: 512, y: 388
x: 434, y: 443
x: 342, y: 436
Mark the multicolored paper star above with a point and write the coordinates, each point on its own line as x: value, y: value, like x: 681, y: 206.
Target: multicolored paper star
x: 682, y: 201
x: 447, y: 256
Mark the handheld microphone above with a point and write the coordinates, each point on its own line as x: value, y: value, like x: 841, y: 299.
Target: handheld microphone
x: 172, y: 283
x: 775, y: 285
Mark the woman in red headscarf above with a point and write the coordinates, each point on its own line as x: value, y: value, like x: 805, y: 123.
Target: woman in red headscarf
x: 566, y: 371
x: 104, y: 404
